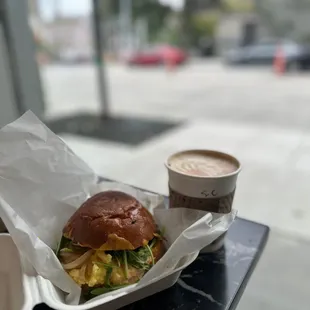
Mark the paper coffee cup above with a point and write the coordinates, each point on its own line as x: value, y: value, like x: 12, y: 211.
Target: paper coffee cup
x: 202, y: 179
x: 202, y: 190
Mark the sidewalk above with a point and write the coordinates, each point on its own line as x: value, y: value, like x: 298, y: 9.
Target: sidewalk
x: 281, y: 279
x: 273, y: 185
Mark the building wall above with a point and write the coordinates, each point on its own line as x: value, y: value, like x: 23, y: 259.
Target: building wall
x: 71, y: 33
x: 65, y: 34
x: 230, y: 32
x: 286, y: 18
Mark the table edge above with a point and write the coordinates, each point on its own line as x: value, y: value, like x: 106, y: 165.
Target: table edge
x: 239, y: 293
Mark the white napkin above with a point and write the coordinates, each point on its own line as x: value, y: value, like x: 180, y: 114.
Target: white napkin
x: 42, y: 183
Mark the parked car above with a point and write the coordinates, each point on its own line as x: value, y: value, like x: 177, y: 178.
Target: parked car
x: 158, y: 56
x: 73, y: 56
x: 297, y: 56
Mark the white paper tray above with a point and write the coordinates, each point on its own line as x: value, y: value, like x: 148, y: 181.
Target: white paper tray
x: 22, y: 289
x: 14, y: 295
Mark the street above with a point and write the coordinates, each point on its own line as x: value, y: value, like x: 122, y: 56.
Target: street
x: 261, y: 118
x: 198, y: 90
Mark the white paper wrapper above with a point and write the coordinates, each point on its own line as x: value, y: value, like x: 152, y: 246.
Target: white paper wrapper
x: 42, y: 183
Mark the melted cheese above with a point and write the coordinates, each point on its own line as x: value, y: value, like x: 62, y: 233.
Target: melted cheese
x: 105, y: 258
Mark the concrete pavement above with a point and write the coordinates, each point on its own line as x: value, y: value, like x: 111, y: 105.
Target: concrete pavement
x: 281, y: 279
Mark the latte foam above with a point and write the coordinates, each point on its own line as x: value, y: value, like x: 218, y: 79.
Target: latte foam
x: 202, y: 164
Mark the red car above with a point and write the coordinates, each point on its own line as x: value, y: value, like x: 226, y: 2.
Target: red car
x: 158, y: 56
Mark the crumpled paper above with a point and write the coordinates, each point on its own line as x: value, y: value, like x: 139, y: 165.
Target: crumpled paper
x: 42, y: 183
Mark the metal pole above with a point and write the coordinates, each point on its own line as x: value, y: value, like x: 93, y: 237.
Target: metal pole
x: 99, y: 49
x: 21, y: 51
x: 123, y: 24
x: 129, y: 20
x: 125, y: 16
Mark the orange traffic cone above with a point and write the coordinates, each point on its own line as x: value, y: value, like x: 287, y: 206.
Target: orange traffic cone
x: 279, y: 63
x: 170, y: 64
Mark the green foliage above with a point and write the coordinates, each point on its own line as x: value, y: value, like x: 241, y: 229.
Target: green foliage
x: 171, y: 32
x: 151, y: 10
x: 205, y: 24
x: 240, y: 6
x: 154, y: 12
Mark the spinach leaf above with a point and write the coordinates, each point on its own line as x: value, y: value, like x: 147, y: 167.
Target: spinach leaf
x: 63, y: 243
x: 153, y: 242
x: 106, y: 289
x: 139, y: 258
x: 66, y: 250
x: 118, y: 256
x: 125, y: 264
x: 160, y: 234
x: 108, y: 276
x: 118, y: 261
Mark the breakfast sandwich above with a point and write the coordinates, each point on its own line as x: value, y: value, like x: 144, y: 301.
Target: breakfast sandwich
x: 110, y: 242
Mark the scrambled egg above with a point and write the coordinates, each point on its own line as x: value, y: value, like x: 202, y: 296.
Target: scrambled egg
x: 93, y: 273
x: 118, y: 275
x: 97, y: 276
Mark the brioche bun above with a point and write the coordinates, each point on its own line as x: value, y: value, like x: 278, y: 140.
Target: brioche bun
x: 111, y: 220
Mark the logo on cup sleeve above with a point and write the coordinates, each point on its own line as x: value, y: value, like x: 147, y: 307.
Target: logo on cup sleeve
x: 209, y: 194
x: 210, y: 201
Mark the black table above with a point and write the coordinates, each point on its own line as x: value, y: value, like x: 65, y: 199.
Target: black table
x: 214, y: 281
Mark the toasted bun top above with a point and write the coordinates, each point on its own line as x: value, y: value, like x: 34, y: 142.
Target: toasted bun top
x: 111, y: 220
